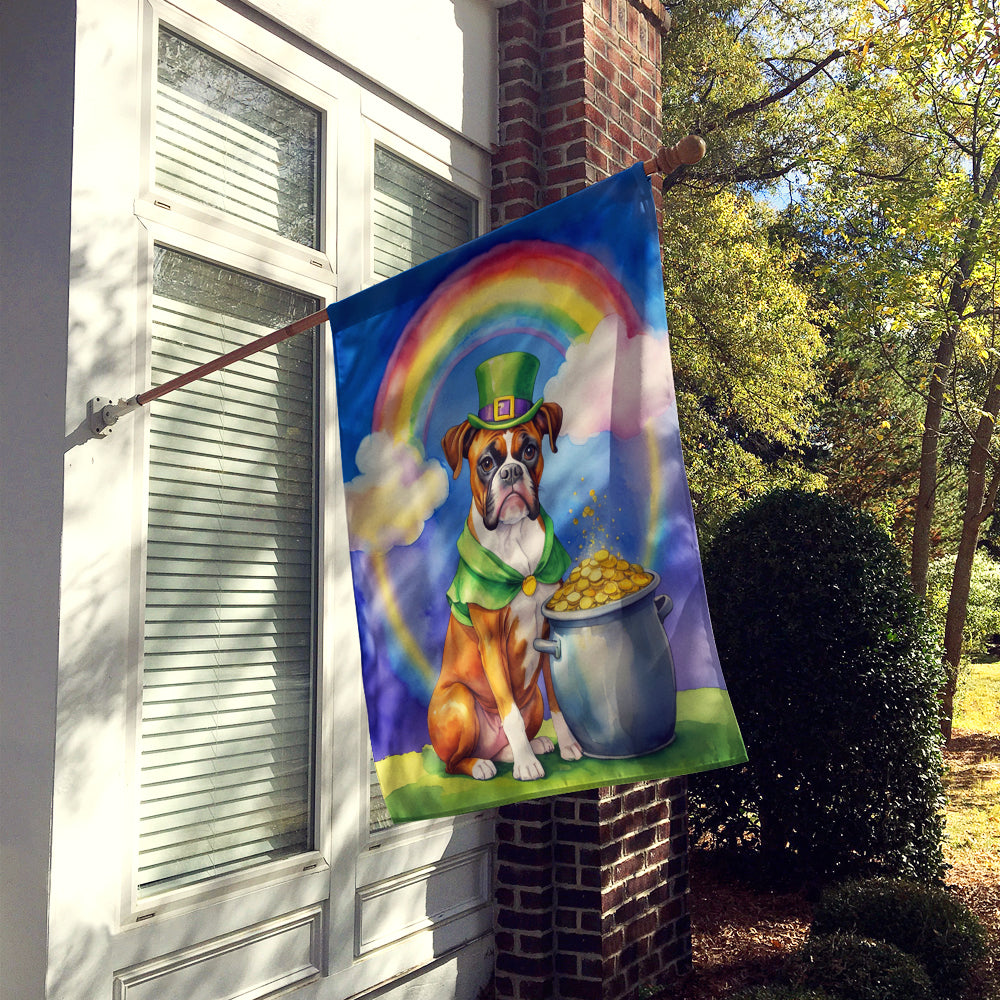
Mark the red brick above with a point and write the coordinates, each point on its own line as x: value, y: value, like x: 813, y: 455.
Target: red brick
x: 563, y: 54
x: 599, y: 97
x: 574, y: 988
x: 518, y: 111
x: 518, y: 920
x: 567, y: 963
x: 540, y: 944
x: 552, y: 117
x: 521, y: 90
x: 535, y: 899
x: 642, y: 882
x: 520, y: 149
x: 518, y: 49
x: 522, y: 965
x: 520, y: 130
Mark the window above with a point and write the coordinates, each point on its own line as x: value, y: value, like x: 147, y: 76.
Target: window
x: 229, y: 647
x: 227, y: 140
x: 227, y: 707
x: 250, y: 806
x: 415, y: 216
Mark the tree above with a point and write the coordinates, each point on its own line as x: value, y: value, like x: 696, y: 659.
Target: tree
x: 747, y: 352
x: 746, y: 76
x: 912, y: 188
x: 747, y: 358
x: 881, y: 121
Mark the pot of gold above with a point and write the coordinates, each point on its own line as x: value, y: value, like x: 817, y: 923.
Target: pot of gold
x: 611, y: 665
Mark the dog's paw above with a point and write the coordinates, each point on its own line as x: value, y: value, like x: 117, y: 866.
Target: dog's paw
x: 528, y: 769
x: 483, y: 770
x: 542, y: 744
x: 569, y: 746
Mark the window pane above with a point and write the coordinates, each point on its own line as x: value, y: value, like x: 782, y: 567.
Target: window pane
x: 228, y: 658
x: 417, y: 215
x: 228, y: 140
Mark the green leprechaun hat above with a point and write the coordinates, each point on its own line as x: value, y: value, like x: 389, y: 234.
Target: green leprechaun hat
x: 506, y: 384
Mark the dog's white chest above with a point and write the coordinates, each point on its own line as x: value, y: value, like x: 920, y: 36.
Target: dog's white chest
x: 519, y: 545
x: 528, y: 621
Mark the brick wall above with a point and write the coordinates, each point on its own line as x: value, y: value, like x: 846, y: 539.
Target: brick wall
x: 591, y: 889
x: 579, y: 96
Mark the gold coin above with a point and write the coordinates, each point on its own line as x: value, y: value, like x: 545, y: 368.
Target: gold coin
x: 586, y: 602
x: 602, y: 555
x: 561, y: 606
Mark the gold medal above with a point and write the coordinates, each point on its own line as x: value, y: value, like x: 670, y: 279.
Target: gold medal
x: 528, y: 585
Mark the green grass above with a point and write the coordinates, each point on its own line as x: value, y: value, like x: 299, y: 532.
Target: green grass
x: 973, y: 782
x: 977, y: 707
x: 707, y: 736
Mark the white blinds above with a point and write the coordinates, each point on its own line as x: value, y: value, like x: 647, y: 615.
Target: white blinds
x: 416, y: 216
x: 227, y: 682
x: 230, y: 141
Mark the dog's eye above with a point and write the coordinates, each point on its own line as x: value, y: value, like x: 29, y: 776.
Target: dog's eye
x: 486, y: 463
x: 530, y: 451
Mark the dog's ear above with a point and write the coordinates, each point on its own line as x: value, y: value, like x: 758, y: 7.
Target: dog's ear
x: 455, y: 445
x: 548, y: 420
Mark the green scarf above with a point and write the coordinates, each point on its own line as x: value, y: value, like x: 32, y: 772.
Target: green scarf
x: 487, y: 581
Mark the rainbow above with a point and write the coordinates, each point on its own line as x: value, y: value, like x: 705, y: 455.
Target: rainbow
x: 530, y: 287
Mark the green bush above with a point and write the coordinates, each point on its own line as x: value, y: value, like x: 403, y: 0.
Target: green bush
x: 782, y: 993
x: 925, y: 922
x: 856, y: 968
x: 833, y: 673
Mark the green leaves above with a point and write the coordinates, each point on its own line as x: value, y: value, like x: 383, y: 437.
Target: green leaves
x: 833, y: 675
x: 746, y: 352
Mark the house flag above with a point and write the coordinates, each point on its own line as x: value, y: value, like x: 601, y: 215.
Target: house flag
x: 526, y: 575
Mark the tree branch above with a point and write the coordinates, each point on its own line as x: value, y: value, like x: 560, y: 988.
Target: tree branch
x: 754, y: 106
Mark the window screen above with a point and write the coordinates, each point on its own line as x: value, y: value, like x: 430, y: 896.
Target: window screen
x: 225, y: 139
x: 228, y: 656
x: 416, y: 216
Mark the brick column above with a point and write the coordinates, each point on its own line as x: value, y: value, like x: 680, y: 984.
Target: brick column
x: 591, y: 889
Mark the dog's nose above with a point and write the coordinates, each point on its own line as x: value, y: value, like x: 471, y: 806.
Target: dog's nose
x: 510, y: 474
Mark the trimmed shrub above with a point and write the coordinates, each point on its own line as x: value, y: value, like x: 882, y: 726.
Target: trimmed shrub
x: 925, y: 922
x: 833, y: 672
x: 856, y: 968
x: 782, y: 993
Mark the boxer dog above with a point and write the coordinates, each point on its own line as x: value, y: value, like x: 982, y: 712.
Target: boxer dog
x: 487, y: 705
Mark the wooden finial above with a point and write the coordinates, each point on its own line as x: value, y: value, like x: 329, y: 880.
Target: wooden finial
x: 688, y: 151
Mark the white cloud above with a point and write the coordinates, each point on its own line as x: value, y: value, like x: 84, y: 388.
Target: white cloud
x: 395, y: 493
x: 612, y: 382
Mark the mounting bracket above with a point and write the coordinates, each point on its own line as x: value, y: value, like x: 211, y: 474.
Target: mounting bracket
x: 103, y: 413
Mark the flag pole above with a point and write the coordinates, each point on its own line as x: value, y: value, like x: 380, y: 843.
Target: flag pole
x: 103, y: 413
x: 687, y: 152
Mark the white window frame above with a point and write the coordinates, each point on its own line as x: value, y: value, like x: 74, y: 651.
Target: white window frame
x: 183, y: 225
x: 351, y: 872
